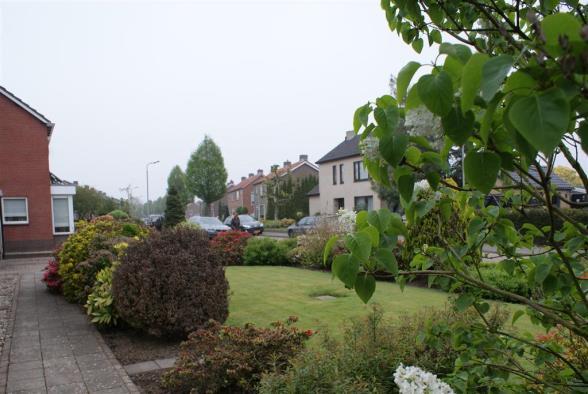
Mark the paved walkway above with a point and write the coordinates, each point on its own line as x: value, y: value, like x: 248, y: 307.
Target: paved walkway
x: 51, y: 347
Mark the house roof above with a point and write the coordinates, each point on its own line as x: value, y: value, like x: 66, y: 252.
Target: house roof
x: 314, y: 191
x: 55, y: 181
x: 28, y: 108
x: 347, y: 148
x: 559, y: 183
x: 244, y: 183
x: 290, y: 168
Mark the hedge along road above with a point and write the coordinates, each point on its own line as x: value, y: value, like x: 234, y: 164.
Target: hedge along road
x: 261, y: 295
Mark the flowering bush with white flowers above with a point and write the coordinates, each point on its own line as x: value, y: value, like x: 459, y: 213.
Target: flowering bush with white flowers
x: 413, y: 380
x: 346, y: 219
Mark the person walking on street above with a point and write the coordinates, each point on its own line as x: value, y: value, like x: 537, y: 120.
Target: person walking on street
x: 235, y: 222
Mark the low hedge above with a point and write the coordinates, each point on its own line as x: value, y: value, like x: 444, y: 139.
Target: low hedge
x: 540, y: 217
x: 267, y: 251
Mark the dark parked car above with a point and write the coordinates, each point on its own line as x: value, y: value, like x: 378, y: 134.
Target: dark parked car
x: 303, y: 225
x: 212, y: 225
x: 154, y: 220
x: 248, y: 224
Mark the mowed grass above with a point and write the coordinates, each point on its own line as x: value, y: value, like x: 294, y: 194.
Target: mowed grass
x: 261, y: 295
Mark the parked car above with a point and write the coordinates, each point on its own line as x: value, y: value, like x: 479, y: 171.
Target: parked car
x: 211, y: 225
x: 248, y: 224
x: 303, y: 225
x: 154, y: 220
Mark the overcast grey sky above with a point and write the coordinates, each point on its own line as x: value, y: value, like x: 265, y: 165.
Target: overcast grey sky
x: 131, y: 82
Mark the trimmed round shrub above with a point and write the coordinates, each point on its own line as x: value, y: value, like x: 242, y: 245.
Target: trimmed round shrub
x: 171, y: 283
x: 119, y: 214
x: 267, y: 251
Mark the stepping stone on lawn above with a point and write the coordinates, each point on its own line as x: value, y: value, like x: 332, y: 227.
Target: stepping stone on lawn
x: 325, y: 298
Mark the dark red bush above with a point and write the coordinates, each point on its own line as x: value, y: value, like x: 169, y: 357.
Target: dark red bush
x: 230, y: 245
x: 232, y: 359
x: 171, y: 283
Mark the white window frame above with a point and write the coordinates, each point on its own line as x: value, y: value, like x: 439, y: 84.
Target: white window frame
x: 13, y: 223
x: 69, y: 199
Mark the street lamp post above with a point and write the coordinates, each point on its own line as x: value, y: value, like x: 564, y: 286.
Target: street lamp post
x: 147, y: 174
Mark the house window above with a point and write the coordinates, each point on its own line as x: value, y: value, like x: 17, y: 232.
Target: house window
x: 339, y: 204
x: 359, y: 172
x: 15, y: 210
x: 62, y: 215
x: 364, y: 203
x: 334, y: 175
x: 341, y: 173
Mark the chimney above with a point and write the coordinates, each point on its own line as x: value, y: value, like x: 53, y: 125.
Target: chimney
x: 287, y: 163
x: 303, y: 158
x: 349, y: 135
x: 250, y: 174
x: 260, y: 172
x: 243, y: 178
x: 231, y: 183
x: 275, y: 168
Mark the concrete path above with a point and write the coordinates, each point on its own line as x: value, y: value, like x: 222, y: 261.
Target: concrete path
x: 51, y: 346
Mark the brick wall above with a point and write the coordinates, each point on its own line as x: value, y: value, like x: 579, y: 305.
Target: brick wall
x: 24, y: 172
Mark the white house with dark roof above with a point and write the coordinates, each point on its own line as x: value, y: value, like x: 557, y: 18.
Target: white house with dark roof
x: 343, y: 181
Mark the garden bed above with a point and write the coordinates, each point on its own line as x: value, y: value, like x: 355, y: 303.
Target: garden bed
x: 130, y: 346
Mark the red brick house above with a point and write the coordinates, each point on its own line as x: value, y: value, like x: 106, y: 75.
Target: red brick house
x: 239, y: 195
x: 36, y: 207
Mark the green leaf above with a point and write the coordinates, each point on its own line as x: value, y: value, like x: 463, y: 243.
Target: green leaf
x: 401, y: 280
x: 360, y: 245
x: 361, y: 219
x: 560, y: 24
x: 471, y: 80
x: 361, y: 117
x: 542, y: 269
x: 436, y: 14
x: 493, y: 73
x: 435, y: 37
x: 374, y: 235
x: 542, y: 119
x: 463, y: 302
x: 417, y: 45
x: 458, y: 126
x: 486, y: 125
x: 583, y: 134
x: 436, y: 92
x: 365, y: 285
x: 412, y: 99
x: 458, y: 51
x: 397, y: 226
x: 329, y: 247
x: 520, y: 83
x: 392, y: 147
x: 345, y: 267
x: 386, y: 260
x: 517, y: 315
x: 433, y: 177
x: 404, y: 77
x: 454, y: 68
x: 481, y: 169
x: 405, y: 180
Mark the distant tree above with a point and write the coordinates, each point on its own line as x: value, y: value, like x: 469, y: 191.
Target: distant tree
x: 279, y: 190
x: 242, y: 210
x: 174, y: 208
x: 293, y: 199
x: 157, y: 206
x: 90, y: 202
x: 206, y: 173
x: 177, y: 178
x: 568, y: 175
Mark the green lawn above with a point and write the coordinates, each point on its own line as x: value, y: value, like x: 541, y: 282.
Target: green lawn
x: 261, y: 295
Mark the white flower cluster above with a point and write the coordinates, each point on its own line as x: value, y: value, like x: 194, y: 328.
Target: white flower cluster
x: 421, y: 185
x: 346, y: 220
x: 413, y: 380
x: 422, y: 122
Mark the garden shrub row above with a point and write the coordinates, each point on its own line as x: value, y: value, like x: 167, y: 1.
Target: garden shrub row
x: 268, y: 251
x: 540, y: 217
x: 165, y: 284
x: 281, y: 223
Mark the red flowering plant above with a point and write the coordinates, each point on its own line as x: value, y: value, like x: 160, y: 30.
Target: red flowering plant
x: 51, y: 275
x: 230, y: 245
x: 233, y: 359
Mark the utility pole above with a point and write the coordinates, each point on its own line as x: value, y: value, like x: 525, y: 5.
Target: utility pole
x: 147, y: 176
x: 129, y: 192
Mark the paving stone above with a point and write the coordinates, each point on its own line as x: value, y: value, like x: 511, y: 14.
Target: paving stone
x: 114, y: 390
x: 14, y: 375
x: 61, y: 376
x: 25, y: 366
x: 145, y: 366
x: 25, y: 355
x: 59, y: 362
x: 103, y: 382
x: 25, y: 385
x: 72, y: 388
x: 166, y: 362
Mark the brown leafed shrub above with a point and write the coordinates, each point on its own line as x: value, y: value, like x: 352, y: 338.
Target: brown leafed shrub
x: 232, y: 359
x: 171, y: 283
